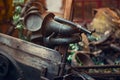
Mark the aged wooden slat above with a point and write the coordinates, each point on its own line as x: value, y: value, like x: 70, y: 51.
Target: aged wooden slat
x: 30, y: 48
x: 68, y: 8
x: 31, y: 60
x: 30, y: 54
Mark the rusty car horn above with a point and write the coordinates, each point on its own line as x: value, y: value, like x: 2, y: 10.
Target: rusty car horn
x: 49, y: 25
x: 33, y: 20
x: 81, y: 58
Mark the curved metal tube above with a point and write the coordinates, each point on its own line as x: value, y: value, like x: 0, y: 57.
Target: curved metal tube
x: 72, y: 24
x: 60, y: 41
x: 49, y: 25
x: 64, y: 29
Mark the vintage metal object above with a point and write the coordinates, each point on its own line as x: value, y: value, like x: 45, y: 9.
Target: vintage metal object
x: 33, y: 20
x: 49, y: 26
x: 81, y: 59
x: 52, y: 41
x: 29, y: 15
x: 56, y: 18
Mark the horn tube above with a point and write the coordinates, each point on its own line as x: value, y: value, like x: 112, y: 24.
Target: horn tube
x: 60, y: 40
x: 49, y: 25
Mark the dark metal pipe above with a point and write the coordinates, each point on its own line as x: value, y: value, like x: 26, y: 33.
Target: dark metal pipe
x: 97, y: 67
x: 49, y: 25
x: 56, y: 18
x: 73, y: 24
x: 60, y: 41
x: 54, y: 26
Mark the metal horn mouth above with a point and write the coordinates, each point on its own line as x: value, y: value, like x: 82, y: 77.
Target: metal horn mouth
x: 33, y: 21
x: 46, y: 20
x: 81, y: 58
x: 49, y: 26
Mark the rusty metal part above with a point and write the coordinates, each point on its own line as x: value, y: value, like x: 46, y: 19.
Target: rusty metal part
x: 98, y: 76
x: 33, y: 20
x: 50, y: 40
x: 30, y: 3
x: 97, y: 67
x: 81, y: 58
x: 12, y: 25
x: 105, y: 76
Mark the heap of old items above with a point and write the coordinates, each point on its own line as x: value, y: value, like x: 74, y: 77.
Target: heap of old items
x: 86, y: 55
x: 99, y: 54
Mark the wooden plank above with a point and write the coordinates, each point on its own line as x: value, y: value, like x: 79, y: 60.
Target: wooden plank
x: 31, y: 60
x: 68, y: 9
x: 30, y: 48
x: 30, y: 54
